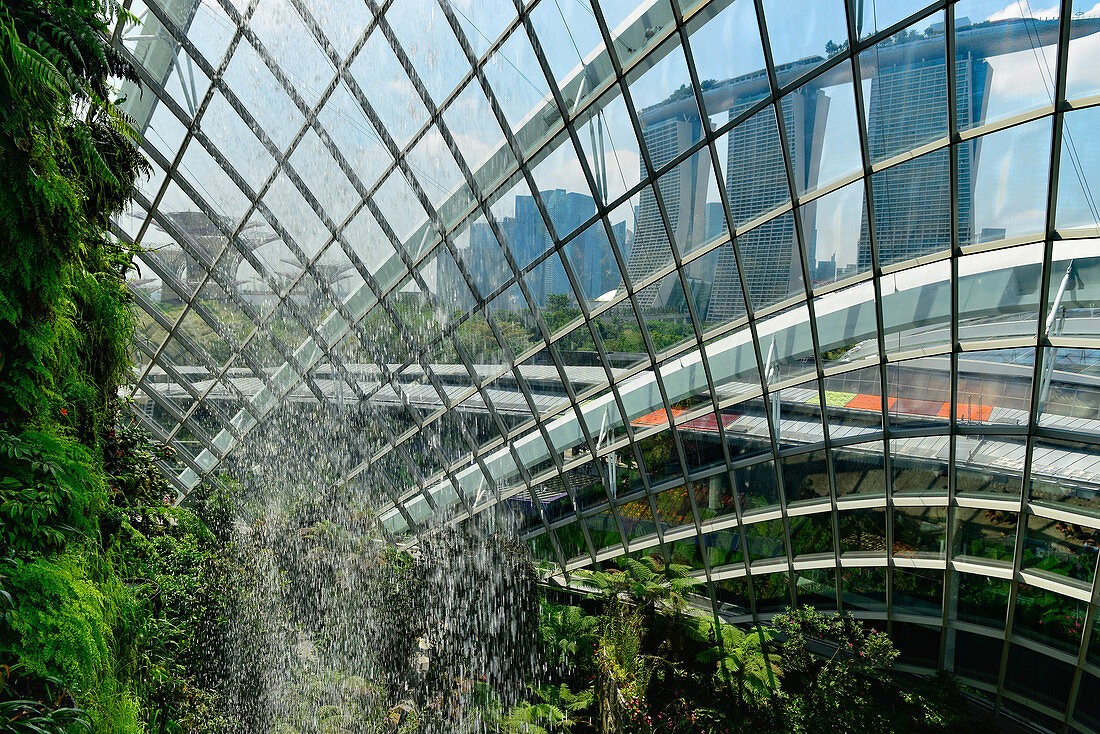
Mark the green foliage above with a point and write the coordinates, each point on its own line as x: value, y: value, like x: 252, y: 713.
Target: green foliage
x: 554, y: 709
x: 661, y: 666
x: 49, y: 490
x: 30, y: 705
x: 846, y: 690
x: 68, y: 160
x: 62, y: 622
x: 742, y: 659
x: 568, y: 634
x: 620, y: 657
x: 647, y: 582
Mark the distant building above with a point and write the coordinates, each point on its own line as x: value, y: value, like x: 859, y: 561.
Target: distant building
x: 683, y: 191
x: 589, y: 253
x: 756, y: 182
x: 908, y: 107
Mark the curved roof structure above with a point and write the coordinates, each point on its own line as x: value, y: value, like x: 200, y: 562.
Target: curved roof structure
x: 800, y: 295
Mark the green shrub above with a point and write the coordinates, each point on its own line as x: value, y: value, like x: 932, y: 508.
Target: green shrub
x: 49, y: 490
x: 61, y: 622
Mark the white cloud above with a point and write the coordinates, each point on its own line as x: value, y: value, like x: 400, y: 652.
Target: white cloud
x: 1023, y: 9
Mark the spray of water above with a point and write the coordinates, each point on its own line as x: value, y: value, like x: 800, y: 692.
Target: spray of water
x: 333, y: 630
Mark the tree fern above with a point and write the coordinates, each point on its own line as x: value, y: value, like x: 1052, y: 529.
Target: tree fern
x: 743, y: 660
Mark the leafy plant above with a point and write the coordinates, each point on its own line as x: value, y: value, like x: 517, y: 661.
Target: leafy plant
x: 568, y: 634
x: 648, y: 583
x: 48, y: 713
x: 553, y: 711
x: 48, y: 490
x: 743, y: 659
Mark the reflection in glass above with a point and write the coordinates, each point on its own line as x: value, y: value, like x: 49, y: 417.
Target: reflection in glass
x: 989, y: 535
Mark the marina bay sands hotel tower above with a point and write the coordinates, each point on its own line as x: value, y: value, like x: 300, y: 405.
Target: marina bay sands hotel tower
x: 906, y: 107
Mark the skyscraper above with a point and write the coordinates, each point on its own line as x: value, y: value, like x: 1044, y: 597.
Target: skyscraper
x: 756, y: 182
x: 589, y: 252
x: 907, y: 108
x: 683, y: 189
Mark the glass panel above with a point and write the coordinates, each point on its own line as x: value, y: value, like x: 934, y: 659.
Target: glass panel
x: 912, y: 210
x: 1088, y: 700
x: 262, y: 95
x: 683, y: 193
x: 816, y: 588
x: 637, y: 517
x: 1080, y: 166
x: 542, y: 549
x: 920, y: 532
x: 378, y: 72
x: 1081, y: 76
x: 863, y: 532
x: 919, y: 393
x: 427, y: 40
x: 853, y: 403
x: 603, y: 531
x: 832, y: 225
x: 994, y: 387
x: 1039, y: 677
x: 756, y: 486
x: 982, y: 600
x: 812, y: 534
x: 765, y: 540
x: 714, y: 498
x: 919, y: 466
x: 439, y: 176
x: 668, y: 319
x: 724, y: 78
x: 733, y: 596
x: 290, y: 45
x: 674, y: 506
x: 880, y: 16
x: 404, y: 213
x: 1063, y: 475
x: 723, y: 548
x: 988, y: 465
x: 989, y: 535
x: 800, y: 34
x: 918, y: 591
x: 863, y: 589
x: 568, y: 34
x: 518, y: 81
x: 342, y: 28
x: 1049, y: 618
x: 593, y: 262
x: 860, y: 469
x: 346, y: 123
x: 772, y: 591
x: 1003, y: 194
x: 907, y: 104
x: 563, y: 189
x: 572, y: 541
x: 702, y: 447
x: 687, y: 553
x: 805, y: 478
x: 746, y: 428
x: 918, y: 644
x: 1057, y: 547
x: 977, y: 656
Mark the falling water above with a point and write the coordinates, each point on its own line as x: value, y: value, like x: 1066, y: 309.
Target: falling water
x: 334, y: 630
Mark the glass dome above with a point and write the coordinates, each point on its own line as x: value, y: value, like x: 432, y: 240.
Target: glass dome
x: 800, y: 295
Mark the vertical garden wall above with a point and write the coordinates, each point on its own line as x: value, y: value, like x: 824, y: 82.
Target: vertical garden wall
x: 104, y: 587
